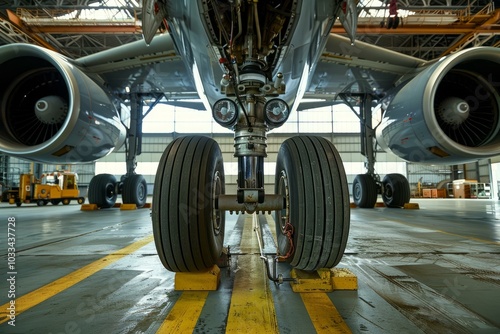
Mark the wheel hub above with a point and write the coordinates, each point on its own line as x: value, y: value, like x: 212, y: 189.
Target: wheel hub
x: 216, y: 214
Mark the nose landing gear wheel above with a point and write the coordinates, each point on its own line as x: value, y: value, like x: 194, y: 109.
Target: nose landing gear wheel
x: 188, y: 230
x: 313, y: 228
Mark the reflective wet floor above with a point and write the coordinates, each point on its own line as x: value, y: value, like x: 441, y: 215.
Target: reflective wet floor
x: 432, y: 270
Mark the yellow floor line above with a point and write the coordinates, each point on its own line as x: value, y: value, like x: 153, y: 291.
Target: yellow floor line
x: 185, y: 313
x: 40, y: 295
x: 252, y: 308
x: 272, y: 227
x: 323, y: 314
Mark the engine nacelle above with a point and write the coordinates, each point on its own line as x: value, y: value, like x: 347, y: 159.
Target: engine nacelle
x: 447, y: 114
x: 51, y: 111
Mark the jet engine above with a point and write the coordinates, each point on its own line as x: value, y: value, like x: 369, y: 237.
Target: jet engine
x: 449, y: 113
x: 51, y: 111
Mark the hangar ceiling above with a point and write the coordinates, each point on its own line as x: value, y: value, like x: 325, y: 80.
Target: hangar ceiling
x: 428, y: 28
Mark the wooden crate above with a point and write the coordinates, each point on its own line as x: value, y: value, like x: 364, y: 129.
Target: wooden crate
x: 438, y: 193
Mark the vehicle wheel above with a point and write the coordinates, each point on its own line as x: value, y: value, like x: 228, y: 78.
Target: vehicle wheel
x: 312, y: 230
x: 81, y: 200
x: 102, y: 190
x: 18, y: 204
x: 135, y: 190
x: 364, y: 191
x: 39, y: 202
x: 188, y: 231
x: 396, y: 190
x: 45, y: 202
x: 55, y: 201
x: 66, y: 201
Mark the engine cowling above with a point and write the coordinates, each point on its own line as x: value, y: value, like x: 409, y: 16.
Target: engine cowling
x: 51, y: 111
x: 447, y: 114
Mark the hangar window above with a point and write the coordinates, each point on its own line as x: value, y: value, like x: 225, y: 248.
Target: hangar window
x: 169, y: 119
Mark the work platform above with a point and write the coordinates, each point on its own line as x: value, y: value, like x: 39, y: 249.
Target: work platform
x: 434, y: 270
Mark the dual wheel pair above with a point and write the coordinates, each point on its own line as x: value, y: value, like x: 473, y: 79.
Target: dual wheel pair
x: 104, y: 189
x: 394, y: 188
x: 312, y: 228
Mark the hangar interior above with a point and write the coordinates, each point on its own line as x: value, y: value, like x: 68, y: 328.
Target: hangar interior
x: 433, y: 270
x: 428, y: 30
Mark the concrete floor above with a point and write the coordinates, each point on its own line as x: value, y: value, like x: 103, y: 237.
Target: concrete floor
x: 433, y: 270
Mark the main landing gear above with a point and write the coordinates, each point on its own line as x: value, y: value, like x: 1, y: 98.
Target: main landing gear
x: 394, y: 188
x: 104, y: 188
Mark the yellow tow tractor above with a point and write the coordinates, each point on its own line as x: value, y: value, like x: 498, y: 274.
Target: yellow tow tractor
x: 54, y: 188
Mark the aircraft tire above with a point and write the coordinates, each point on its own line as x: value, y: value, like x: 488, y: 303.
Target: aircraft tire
x: 396, y: 190
x: 102, y: 190
x: 364, y: 191
x: 135, y: 190
x: 188, y: 231
x: 311, y: 177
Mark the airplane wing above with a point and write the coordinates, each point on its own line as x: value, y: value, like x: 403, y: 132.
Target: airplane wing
x: 158, y: 68
x: 141, y: 68
x: 358, y: 68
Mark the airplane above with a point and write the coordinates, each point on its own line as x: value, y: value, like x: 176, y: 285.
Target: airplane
x: 252, y: 64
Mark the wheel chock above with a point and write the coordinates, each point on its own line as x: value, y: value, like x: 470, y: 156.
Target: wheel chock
x: 323, y: 280
x: 411, y: 206
x: 117, y: 205
x: 343, y: 279
x: 147, y: 206
x: 207, y: 280
x: 88, y: 207
x: 380, y: 205
x: 131, y: 206
x: 353, y: 205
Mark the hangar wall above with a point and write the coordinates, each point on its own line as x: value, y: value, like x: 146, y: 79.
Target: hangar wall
x: 347, y: 144
x: 153, y: 146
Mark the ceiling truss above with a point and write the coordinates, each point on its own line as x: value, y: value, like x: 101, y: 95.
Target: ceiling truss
x: 428, y: 29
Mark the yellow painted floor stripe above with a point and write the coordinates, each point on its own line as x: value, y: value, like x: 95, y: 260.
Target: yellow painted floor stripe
x: 252, y: 308
x: 185, y: 313
x: 272, y: 227
x: 40, y: 295
x: 323, y: 314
